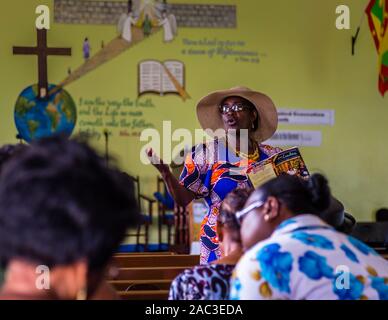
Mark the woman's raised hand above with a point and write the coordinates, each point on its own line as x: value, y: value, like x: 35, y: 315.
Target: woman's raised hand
x: 181, y: 195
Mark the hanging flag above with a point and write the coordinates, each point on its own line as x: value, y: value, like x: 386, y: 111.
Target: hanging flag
x: 377, y: 12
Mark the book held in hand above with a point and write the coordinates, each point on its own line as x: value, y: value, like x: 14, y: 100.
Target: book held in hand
x: 289, y: 161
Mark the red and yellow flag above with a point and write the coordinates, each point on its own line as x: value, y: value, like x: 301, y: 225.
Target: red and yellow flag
x: 377, y: 12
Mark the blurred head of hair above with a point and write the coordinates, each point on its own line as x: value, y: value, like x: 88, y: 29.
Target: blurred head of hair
x: 61, y: 206
x: 8, y: 151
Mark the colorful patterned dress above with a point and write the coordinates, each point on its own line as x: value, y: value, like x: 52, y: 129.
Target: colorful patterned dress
x: 207, y: 282
x: 306, y: 259
x: 212, y: 171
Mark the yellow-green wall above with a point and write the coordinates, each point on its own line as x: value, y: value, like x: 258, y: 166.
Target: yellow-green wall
x: 308, y: 64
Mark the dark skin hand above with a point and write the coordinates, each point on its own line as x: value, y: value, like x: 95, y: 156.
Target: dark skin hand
x: 181, y: 195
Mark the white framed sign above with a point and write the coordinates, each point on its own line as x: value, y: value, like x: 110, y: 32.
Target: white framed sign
x: 297, y: 138
x: 306, y: 117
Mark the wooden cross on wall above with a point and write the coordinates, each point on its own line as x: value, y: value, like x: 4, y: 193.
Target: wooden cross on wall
x: 42, y: 51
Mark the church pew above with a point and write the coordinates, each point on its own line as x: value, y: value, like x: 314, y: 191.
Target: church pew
x: 164, y: 273
x: 131, y: 285
x: 155, y: 261
x: 144, y: 295
x: 148, y: 253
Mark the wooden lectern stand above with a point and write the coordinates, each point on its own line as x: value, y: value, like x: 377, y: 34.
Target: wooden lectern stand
x: 188, y: 225
x: 182, y: 238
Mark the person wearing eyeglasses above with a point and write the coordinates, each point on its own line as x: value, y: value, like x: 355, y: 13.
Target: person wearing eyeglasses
x: 214, y: 169
x: 290, y: 253
x: 212, y: 281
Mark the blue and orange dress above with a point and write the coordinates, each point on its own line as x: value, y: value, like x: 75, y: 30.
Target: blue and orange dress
x: 211, y: 171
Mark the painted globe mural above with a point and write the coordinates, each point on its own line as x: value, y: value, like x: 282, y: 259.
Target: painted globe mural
x: 37, y: 118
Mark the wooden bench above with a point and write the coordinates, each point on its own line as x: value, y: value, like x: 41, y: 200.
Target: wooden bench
x: 132, y: 285
x: 144, y: 295
x: 164, y: 273
x: 147, y: 276
x: 155, y: 261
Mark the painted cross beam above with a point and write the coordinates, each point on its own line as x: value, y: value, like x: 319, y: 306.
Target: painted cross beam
x: 42, y: 51
x: 107, y: 12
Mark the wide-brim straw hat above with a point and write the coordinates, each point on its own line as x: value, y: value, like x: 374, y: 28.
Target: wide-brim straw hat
x: 210, y: 118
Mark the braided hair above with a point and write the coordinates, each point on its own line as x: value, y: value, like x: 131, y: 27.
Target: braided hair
x: 299, y: 195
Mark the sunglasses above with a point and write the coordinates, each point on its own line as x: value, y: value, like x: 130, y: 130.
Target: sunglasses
x: 242, y: 213
x: 235, y: 108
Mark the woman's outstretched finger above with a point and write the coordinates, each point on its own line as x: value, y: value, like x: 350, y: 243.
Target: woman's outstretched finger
x: 149, y: 152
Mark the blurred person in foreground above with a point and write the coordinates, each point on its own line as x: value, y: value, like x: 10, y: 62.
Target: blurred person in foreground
x: 211, y: 281
x: 63, y: 212
x: 8, y: 151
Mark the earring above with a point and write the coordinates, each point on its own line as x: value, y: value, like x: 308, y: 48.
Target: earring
x: 82, y: 294
x: 266, y: 218
x: 253, y: 125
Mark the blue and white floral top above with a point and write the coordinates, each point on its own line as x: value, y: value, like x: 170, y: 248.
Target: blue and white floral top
x: 307, y: 259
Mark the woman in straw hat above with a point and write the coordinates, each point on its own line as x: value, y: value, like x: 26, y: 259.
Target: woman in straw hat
x: 214, y: 169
